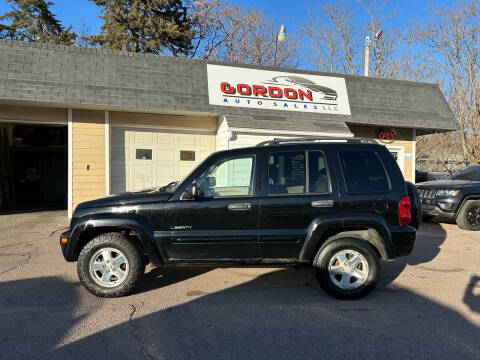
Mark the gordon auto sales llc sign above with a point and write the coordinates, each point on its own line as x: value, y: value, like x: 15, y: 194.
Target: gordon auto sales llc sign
x: 260, y: 89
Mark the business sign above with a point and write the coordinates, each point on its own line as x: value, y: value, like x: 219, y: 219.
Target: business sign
x: 387, y: 136
x: 273, y: 90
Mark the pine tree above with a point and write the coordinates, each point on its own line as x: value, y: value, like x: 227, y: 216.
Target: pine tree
x: 32, y: 20
x: 145, y: 26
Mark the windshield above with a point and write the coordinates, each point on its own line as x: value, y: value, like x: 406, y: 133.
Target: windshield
x: 470, y: 173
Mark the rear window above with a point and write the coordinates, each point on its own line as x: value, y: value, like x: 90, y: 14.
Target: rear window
x: 287, y: 173
x: 363, y: 172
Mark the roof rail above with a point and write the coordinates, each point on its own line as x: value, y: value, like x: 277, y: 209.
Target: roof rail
x: 278, y: 141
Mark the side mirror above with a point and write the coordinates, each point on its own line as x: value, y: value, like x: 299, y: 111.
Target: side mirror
x: 190, y: 193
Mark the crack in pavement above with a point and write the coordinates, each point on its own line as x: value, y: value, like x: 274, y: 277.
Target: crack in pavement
x: 27, y: 254
x: 23, y: 262
x: 138, y: 337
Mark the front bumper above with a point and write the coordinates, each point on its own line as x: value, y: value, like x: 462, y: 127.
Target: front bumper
x: 403, y: 240
x: 437, y: 213
x: 440, y: 208
x: 64, y: 244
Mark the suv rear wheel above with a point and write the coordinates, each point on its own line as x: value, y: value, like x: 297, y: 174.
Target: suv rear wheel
x: 469, y: 216
x: 347, y: 268
x: 110, y: 265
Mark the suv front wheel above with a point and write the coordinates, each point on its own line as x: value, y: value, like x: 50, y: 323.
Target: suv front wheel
x: 110, y: 265
x: 468, y: 217
x: 347, y: 268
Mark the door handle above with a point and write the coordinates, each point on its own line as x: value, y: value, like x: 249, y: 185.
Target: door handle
x: 322, y: 203
x: 239, y: 207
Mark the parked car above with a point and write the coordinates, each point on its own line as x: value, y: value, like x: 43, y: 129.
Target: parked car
x: 423, y: 176
x: 336, y: 205
x: 455, y: 198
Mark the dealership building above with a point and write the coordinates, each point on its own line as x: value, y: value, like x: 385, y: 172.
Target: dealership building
x: 82, y: 123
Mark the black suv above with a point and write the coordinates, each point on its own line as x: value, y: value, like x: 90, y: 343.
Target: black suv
x: 338, y: 205
x: 454, y: 198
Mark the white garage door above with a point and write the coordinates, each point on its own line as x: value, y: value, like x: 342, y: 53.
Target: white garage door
x: 142, y: 158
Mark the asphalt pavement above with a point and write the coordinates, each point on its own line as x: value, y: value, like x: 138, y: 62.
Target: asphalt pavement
x: 426, y: 306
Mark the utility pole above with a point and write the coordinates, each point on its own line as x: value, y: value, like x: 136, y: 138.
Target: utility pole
x: 368, y: 42
x: 367, y: 54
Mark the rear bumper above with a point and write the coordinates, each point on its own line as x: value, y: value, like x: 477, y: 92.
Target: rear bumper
x: 403, y: 240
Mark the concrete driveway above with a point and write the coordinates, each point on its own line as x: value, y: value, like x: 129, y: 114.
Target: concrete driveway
x: 427, y: 306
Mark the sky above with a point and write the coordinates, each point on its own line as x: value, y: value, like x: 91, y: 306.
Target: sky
x: 83, y: 14
x: 290, y: 13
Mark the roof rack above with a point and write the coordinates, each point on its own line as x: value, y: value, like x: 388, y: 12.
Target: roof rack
x: 278, y: 141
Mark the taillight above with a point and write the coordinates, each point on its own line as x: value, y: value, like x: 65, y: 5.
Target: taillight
x: 404, y: 214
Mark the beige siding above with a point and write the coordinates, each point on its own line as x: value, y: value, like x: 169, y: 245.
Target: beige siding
x: 405, y: 141
x: 32, y: 115
x: 163, y: 121
x: 88, y: 148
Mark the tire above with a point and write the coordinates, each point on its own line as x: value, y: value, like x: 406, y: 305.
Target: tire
x: 106, y: 252
x: 327, y: 261
x: 468, y: 217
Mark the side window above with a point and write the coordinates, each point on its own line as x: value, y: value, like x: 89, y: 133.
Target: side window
x: 363, y: 172
x: 228, y: 177
x: 317, y: 173
x: 286, y: 173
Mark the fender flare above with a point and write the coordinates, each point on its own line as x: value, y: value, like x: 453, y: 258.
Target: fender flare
x: 464, y: 201
x: 132, y: 222
x: 369, y: 227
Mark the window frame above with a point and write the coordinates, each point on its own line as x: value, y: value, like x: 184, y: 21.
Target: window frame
x: 389, y: 183
x: 307, y: 173
x: 253, y: 176
x: 143, y: 149
x: 329, y: 181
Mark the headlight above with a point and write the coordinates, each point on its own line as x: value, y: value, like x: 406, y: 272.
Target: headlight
x: 447, y: 192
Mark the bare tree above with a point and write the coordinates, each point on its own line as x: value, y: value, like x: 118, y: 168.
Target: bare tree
x: 451, y: 41
x: 331, y: 36
x: 236, y: 34
x: 336, y: 37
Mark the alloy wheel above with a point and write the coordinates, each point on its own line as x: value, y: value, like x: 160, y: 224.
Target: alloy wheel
x: 348, y: 269
x: 473, y: 216
x: 108, y: 267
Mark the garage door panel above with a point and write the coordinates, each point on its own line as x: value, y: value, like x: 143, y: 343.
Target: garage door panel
x: 130, y: 174
x: 166, y: 155
x: 186, y: 139
x: 184, y: 170
x: 165, y: 171
x: 203, y: 155
x: 206, y: 140
x: 142, y: 170
x: 143, y: 137
x: 143, y: 183
x: 165, y: 138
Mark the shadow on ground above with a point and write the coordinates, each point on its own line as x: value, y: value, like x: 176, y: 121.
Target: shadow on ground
x: 427, y: 247
x: 472, y: 294
x: 280, y: 315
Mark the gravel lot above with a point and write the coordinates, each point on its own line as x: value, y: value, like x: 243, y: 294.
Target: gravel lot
x: 427, y: 306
